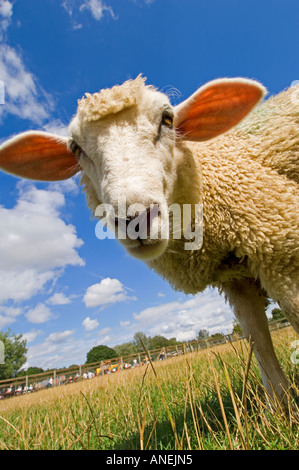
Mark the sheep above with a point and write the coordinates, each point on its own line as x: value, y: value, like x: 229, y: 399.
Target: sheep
x: 130, y: 142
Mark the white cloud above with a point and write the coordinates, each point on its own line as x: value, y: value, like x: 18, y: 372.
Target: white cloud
x: 5, y: 321
x: 6, y: 8
x: 5, y: 16
x: 22, y: 284
x: 35, y: 243
x: 59, y: 349
x: 97, y: 8
x: 60, y: 336
x: 183, y: 319
x: 108, y: 291
x: 69, y: 6
x: 56, y: 127
x: 8, y: 315
x: 24, y: 97
x: 90, y: 324
x: 105, y: 339
x: 31, y: 336
x: 59, y: 299
x: 124, y: 324
x: 40, y: 314
x: 104, y: 331
x: 66, y: 186
x: 12, y: 312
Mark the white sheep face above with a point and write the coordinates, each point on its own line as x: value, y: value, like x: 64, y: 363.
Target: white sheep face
x: 129, y: 158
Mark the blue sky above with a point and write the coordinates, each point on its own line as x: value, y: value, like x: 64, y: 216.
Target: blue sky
x: 60, y: 286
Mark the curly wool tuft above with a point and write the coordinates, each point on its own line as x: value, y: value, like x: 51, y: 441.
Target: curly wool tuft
x: 95, y: 106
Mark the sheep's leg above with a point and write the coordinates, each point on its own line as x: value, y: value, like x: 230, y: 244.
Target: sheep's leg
x: 249, y: 304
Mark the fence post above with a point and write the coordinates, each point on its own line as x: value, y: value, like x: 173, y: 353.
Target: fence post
x: 54, y: 378
x: 27, y: 384
x: 102, y: 368
x: 2, y: 353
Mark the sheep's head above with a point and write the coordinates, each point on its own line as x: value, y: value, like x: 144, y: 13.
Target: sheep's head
x: 124, y: 139
x: 127, y: 141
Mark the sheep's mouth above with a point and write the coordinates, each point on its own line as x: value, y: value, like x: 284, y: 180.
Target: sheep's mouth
x: 147, y: 249
x: 142, y: 235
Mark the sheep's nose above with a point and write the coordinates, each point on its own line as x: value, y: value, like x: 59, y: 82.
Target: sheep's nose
x: 137, y: 226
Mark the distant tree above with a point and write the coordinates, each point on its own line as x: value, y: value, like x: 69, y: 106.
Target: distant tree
x: 202, y: 334
x: 30, y: 371
x: 216, y: 336
x: 277, y: 314
x: 135, y: 346
x: 14, y: 354
x: 159, y: 341
x: 172, y: 342
x: 100, y: 353
x: 144, y: 339
x: 237, y: 330
x: 125, y: 349
x: 151, y: 343
x: 34, y: 370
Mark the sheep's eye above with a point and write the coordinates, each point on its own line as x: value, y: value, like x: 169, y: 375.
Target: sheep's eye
x: 167, y: 120
x: 76, y: 149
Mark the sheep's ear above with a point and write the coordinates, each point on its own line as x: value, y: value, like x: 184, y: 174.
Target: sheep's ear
x: 216, y: 107
x: 38, y: 156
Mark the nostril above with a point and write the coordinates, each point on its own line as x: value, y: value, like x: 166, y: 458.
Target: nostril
x: 137, y: 225
x: 146, y: 215
x: 124, y: 221
x: 121, y: 225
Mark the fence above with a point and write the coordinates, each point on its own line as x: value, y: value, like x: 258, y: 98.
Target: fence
x: 53, y: 378
x: 2, y: 353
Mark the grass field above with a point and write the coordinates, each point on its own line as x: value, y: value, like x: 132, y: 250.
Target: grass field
x: 212, y: 399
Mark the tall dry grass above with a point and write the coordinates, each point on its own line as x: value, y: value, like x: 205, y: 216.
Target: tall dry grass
x: 212, y: 399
